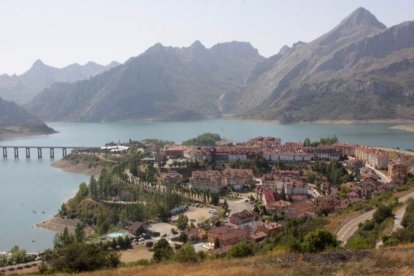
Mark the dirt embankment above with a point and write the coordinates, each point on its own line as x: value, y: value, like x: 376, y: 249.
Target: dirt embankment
x: 85, y: 168
x: 58, y: 224
x: 409, y: 128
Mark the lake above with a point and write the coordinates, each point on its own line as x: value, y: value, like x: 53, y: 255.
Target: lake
x: 32, y: 191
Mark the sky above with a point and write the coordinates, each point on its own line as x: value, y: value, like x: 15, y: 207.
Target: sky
x: 62, y: 32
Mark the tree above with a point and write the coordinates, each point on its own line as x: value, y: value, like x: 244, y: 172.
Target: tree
x: 307, y: 142
x: 241, y: 250
x: 182, y: 222
x: 217, y: 243
x: 162, y: 251
x: 382, y: 213
x: 283, y: 193
x: 93, y: 188
x: 63, y: 210
x: 63, y: 239
x: 17, y: 255
x: 215, y: 199
x: 183, y: 237
x: 226, y: 207
x: 319, y: 240
x: 79, y: 232
x: 186, y: 253
x: 77, y: 257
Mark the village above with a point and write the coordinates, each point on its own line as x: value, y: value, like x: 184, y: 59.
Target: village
x: 254, y: 203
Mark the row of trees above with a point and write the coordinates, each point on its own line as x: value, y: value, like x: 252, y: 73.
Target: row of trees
x: 17, y: 256
x: 323, y: 141
x: 204, y: 140
x: 164, y: 252
x: 333, y: 171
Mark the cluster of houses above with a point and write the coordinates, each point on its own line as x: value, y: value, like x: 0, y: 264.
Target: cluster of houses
x: 270, y: 148
x: 352, y: 193
x: 214, y: 181
x: 244, y: 225
x: 282, y: 191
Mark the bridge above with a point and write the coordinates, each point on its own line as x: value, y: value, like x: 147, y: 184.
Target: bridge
x: 39, y: 149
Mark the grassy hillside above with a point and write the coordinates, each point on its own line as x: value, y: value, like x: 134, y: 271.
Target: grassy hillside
x: 390, y: 261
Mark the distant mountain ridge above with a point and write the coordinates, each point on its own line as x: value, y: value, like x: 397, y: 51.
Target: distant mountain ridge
x: 164, y: 83
x: 15, y: 121
x: 359, y: 70
x: 22, y: 88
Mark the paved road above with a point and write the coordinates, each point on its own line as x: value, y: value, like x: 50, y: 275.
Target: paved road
x: 351, y: 226
x: 19, y: 266
x: 384, y: 178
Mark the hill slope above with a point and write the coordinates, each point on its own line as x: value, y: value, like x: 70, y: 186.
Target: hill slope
x: 15, y: 121
x: 359, y: 70
x: 164, y: 83
x: 388, y: 261
x: 23, y: 88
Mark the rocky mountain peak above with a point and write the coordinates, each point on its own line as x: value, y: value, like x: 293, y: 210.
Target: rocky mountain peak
x: 197, y: 45
x: 361, y: 17
x: 38, y: 65
x: 359, y: 24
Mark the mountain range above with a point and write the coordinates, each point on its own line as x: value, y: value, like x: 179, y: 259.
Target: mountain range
x: 359, y: 70
x: 166, y: 83
x: 22, y: 88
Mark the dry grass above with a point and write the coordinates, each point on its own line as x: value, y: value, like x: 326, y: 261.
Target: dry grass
x: 337, y: 220
x: 138, y: 252
x: 389, y: 261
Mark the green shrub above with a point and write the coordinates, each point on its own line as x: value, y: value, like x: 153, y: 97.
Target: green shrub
x: 319, y: 240
x: 77, y: 257
x: 186, y: 254
x: 241, y: 250
x: 162, y: 251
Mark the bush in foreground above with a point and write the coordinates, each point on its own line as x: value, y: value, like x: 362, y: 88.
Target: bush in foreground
x: 186, y: 254
x: 241, y: 250
x: 78, y: 257
x: 319, y: 240
x: 162, y: 251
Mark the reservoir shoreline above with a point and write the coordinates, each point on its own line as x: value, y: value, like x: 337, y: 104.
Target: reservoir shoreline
x: 34, y: 184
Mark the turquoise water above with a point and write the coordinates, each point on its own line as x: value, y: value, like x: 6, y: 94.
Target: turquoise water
x: 27, y: 186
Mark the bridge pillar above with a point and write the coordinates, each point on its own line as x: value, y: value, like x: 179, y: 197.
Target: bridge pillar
x: 52, y: 153
x: 39, y: 153
x: 4, y: 153
x: 63, y: 152
x: 27, y: 153
x: 16, y: 153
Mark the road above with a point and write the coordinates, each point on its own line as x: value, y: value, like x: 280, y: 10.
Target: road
x: 384, y: 178
x: 18, y: 266
x: 349, y: 228
x: 399, y: 214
